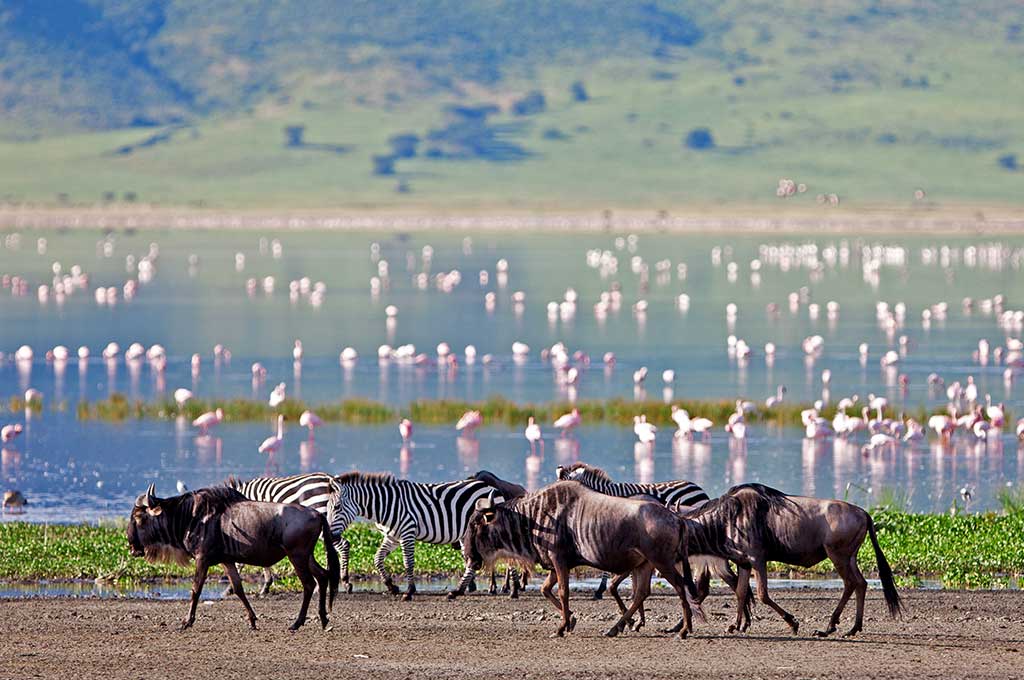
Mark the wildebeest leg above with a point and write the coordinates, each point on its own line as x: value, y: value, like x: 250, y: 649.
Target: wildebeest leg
x: 614, y: 589
x: 601, y: 587
x: 742, y: 590
x: 761, y: 569
x: 301, y: 566
x: 389, y: 543
x: 548, y: 586
x: 641, y: 590
x: 853, y: 581
x: 493, y: 588
x: 236, y: 586
x: 322, y: 585
x: 677, y: 581
x: 198, y: 579
x: 343, y: 547
x: 568, y: 620
x: 409, y: 557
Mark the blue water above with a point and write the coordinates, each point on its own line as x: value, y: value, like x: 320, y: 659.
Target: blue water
x: 72, y: 471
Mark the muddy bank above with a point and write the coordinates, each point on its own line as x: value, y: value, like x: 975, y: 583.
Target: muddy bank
x: 944, y: 634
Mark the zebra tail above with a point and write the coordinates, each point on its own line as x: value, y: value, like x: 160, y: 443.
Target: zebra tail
x: 333, y: 564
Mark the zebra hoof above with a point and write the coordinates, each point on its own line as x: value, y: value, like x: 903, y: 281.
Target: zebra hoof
x: 348, y: 588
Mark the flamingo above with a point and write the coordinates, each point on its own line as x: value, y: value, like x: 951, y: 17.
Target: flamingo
x: 207, y: 420
x: 272, y: 444
x: 469, y: 421
x: 639, y: 375
x: 878, y: 440
x: 277, y: 396
x: 780, y: 393
x: 9, y: 432
x: 983, y: 430
x: 681, y: 418
x: 995, y: 413
x: 877, y: 404
x: 297, y: 351
x: 943, y: 425
x: 181, y: 396
x: 1020, y: 429
x: 310, y: 420
x: 32, y: 395
x: 915, y: 432
x: 568, y: 422
x: 348, y: 355
x: 405, y: 429
x: 701, y: 426
x: 533, y: 435
x: 818, y: 428
x: 971, y: 390
x: 645, y: 431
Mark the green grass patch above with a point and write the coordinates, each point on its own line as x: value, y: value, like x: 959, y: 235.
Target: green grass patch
x: 960, y: 550
x: 495, y: 411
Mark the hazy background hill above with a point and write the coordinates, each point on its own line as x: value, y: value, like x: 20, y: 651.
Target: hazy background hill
x: 292, y: 103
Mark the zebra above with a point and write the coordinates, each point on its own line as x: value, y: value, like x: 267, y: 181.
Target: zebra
x: 678, y: 495
x: 404, y: 512
x: 310, y: 490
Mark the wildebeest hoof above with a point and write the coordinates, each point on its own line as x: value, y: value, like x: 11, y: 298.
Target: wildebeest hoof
x: 514, y: 595
x: 824, y: 633
x: 683, y: 634
x: 558, y: 633
x: 613, y: 631
x: 391, y: 589
x: 572, y: 623
x: 794, y: 625
x: 348, y: 588
x: 853, y: 631
x: 493, y: 590
x: 407, y: 597
x: 598, y: 595
x: 185, y: 625
x: 452, y: 594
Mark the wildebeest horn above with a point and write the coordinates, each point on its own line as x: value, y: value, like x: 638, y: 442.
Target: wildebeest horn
x: 150, y: 495
x: 486, y: 504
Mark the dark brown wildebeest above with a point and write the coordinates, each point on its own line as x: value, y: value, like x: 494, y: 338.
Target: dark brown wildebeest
x: 753, y: 524
x: 567, y: 525
x: 219, y: 525
x: 515, y: 579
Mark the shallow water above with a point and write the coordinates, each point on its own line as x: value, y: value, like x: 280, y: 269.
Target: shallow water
x: 74, y: 471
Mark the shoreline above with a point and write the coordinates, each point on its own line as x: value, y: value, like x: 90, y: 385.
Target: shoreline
x: 769, y: 219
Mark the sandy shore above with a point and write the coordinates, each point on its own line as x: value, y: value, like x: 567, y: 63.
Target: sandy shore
x: 719, y: 219
x: 944, y: 635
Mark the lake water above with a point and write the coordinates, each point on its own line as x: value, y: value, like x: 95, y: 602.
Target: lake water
x: 197, y: 297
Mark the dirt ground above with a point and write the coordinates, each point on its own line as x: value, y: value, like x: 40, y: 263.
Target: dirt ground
x: 943, y: 635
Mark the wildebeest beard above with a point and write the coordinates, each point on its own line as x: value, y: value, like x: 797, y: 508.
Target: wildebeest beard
x: 167, y: 554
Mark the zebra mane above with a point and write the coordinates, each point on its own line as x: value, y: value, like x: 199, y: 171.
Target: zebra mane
x: 372, y: 477
x: 595, y: 471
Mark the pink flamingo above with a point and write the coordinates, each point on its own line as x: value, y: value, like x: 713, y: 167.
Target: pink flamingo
x: 468, y: 423
x: 310, y: 420
x: 208, y: 420
x: 272, y: 444
x: 405, y: 429
x: 568, y: 422
x: 9, y: 432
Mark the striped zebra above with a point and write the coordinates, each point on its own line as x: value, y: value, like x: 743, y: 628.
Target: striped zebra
x: 404, y: 512
x: 310, y: 490
x: 678, y: 495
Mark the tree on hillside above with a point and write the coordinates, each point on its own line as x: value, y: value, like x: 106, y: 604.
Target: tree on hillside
x: 699, y: 139
x: 293, y: 135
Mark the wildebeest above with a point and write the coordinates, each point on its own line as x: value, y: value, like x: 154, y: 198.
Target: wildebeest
x: 567, y: 525
x: 219, y: 525
x: 513, y: 578
x: 753, y: 524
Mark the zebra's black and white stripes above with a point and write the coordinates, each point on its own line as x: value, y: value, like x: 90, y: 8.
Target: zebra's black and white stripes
x: 677, y: 495
x: 404, y: 512
x: 311, y: 490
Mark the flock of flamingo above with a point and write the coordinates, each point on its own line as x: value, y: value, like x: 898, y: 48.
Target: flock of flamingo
x: 969, y: 413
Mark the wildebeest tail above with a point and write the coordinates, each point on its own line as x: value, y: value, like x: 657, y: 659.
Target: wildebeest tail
x: 333, y: 564
x: 719, y: 566
x: 693, y: 595
x: 892, y: 598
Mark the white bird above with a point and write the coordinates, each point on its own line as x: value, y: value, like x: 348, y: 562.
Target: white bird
x: 520, y: 349
x: 701, y: 426
x: 818, y: 428
x: 668, y: 376
x: 272, y: 444
x: 645, y: 431
x: 207, y: 420
x: 348, y: 355
x: 297, y: 350
x: 780, y: 393
x: 943, y: 425
x: 1020, y: 429
x: 9, y: 432
x: 32, y: 395
x: 533, y: 435
x: 181, y: 396
x: 971, y: 390
x: 914, y: 432
x: 995, y: 413
x: 277, y: 396
x: 405, y: 429
x: 181, y: 487
x: 60, y: 353
x: 639, y: 375
x: 310, y: 420
x: 568, y: 421
x: 83, y: 352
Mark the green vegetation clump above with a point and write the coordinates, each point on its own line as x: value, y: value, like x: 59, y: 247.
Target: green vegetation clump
x: 960, y: 550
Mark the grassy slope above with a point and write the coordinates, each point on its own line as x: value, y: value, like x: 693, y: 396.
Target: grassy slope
x: 819, y: 90
x: 962, y: 551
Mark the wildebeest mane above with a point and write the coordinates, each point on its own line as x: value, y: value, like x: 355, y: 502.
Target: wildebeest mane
x: 214, y: 499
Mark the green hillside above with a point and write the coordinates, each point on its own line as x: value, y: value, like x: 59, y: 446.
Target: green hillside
x: 489, y: 104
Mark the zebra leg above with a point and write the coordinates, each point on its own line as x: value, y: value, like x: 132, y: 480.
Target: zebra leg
x: 389, y: 543
x: 506, y: 588
x: 467, y: 579
x: 268, y: 580
x: 513, y: 575
x: 603, y: 586
x: 493, y: 588
x: 409, y: 556
x: 343, y: 547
